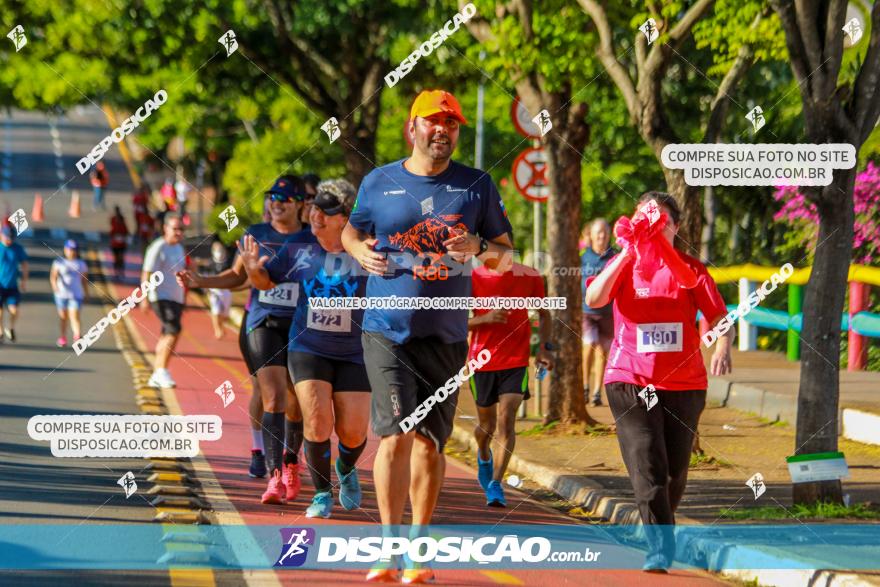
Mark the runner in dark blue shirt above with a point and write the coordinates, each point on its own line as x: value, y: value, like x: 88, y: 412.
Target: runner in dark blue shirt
x: 268, y: 324
x: 415, y: 225
x: 325, y: 356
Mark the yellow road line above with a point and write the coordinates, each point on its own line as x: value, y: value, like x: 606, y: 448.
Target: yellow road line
x: 503, y: 578
x: 123, y: 147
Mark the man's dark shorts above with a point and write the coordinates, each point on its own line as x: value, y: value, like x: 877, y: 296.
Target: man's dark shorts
x: 402, y: 376
x: 9, y: 296
x: 169, y: 314
x: 487, y: 386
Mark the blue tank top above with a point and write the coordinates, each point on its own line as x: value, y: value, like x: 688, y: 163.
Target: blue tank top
x: 281, y: 300
x: 331, y: 333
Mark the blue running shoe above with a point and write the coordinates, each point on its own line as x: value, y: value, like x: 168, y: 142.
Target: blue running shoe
x: 495, y: 495
x: 349, y: 488
x: 258, y: 464
x: 322, y: 503
x: 484, y: 470
x: 656, y: 563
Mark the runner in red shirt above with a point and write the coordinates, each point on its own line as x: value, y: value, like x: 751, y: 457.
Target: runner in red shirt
x: 504, y: 379
x: 657, y: 291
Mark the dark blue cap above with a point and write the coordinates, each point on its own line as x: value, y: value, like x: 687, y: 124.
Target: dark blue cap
x: 285, y: 187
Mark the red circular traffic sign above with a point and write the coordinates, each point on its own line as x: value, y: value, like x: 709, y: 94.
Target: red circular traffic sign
x: 529, y: 175
x: 522, y: 120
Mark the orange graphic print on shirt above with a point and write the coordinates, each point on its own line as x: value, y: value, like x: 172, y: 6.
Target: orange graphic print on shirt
x: 425, y: 239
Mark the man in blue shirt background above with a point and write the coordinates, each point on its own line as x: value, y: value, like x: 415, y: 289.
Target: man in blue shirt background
x: 13, y: 267
x: 598, y: 323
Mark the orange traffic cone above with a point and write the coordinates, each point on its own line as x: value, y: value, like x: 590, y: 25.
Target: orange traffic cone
x: 37, y: 212
x: 73, y: 212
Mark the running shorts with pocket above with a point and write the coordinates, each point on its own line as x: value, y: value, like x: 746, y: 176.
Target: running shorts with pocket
x: 68, y: 303
x: 243, y: 346
x: 267, y: 343
x: 169, y: 313
x: 9, y: 296
x: 403, y: 376
x: 220, y: 301
x: 487, y: 386
x: 341, y: 375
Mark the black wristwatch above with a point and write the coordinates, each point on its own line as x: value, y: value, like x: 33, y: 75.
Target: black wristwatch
x: 484, y: 246
x: 549, y: 346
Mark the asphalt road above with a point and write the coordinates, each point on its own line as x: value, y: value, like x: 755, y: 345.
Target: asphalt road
x: 37, y: 378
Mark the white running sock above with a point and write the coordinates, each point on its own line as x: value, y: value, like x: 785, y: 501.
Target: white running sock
x: 257, y: 439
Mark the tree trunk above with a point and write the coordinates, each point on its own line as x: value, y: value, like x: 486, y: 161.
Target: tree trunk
x: 688, y: 197
x: 564, y: 146
x: 359, y: 152
x: 818, y: 396
x: 709, y: 227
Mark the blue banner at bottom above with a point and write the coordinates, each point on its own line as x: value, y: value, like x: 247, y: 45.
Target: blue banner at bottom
x: 333, y: 547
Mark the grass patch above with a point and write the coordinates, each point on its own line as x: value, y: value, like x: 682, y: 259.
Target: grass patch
x: 702, y: 460
x: 559, y: 429
x: 539, y: 429
x: 859, y: 511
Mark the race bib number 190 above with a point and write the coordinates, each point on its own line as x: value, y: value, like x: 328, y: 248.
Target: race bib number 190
x: 661, y: 337
x: 283, y: 294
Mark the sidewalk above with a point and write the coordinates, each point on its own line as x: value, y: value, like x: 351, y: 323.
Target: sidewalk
x: 587, y: 471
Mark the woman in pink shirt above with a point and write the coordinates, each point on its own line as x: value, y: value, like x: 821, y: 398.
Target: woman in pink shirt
x: 655, y: 378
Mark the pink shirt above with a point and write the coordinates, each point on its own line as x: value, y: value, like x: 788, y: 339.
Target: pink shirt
x: 656, y: 339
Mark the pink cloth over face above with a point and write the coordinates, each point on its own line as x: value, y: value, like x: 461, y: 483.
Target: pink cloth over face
x: 644, y: 233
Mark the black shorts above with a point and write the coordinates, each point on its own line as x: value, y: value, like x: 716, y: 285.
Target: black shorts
x: 267, y: 343
x: 488, y: 385
x: 402, y: 376
x: 342, y: 375
x: 243, y: 344
x: 169, y: 314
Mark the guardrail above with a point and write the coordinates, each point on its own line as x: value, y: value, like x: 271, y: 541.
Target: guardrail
x: 858, y: 322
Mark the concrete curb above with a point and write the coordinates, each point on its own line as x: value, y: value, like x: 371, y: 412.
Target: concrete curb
x: 599, y: 502
x: 577, y: 489
x: 855, y: 424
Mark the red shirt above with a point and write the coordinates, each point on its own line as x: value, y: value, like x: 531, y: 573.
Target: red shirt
x: 508, y: 342
x: 656, y: 339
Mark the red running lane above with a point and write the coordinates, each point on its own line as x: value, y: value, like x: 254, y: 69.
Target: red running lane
x: 201, y: 363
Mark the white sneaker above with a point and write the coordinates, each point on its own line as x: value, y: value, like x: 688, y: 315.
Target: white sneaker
x: 161, y: 378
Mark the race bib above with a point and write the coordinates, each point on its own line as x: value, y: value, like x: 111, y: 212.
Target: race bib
x: 661, y: 337
x: 329, y: 320
x: 284, y: 294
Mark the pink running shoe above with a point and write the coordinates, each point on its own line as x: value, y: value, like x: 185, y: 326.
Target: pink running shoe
x: 276, y: 491
x: 61, y: 342
x: 290, y: 477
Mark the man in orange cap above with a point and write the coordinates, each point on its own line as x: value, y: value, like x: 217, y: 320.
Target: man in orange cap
x: 415, y: 226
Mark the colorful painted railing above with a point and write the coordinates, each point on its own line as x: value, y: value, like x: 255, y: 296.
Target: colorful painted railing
x: 858, y: 322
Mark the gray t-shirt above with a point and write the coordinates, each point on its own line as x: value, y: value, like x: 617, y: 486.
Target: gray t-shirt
x: 69, y: 282
x: 169, y: 259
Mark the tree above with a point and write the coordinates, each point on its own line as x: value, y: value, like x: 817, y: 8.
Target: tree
x: 539, y: 49
x: 305, y: 34
x: 644, y: 95
x: 840, y: 105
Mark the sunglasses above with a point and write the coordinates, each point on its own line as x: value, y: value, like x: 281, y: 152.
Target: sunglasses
x: 284, y: 198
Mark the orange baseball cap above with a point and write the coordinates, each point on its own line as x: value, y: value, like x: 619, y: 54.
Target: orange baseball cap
x: 430, y: 102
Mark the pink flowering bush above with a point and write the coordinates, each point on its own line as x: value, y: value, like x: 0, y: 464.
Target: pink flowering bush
x: 802, y: 216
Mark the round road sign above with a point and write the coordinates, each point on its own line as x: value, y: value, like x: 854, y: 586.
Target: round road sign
x: 522, y: 120
x: 529, y: 169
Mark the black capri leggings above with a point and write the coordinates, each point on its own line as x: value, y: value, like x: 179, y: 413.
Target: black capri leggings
x: 656, y: 447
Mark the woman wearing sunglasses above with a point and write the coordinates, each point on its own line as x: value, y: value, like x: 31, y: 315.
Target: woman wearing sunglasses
x: 268, y: 323
x: 325, y: 353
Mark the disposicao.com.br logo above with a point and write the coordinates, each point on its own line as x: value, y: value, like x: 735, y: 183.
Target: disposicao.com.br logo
x: 295, y: 546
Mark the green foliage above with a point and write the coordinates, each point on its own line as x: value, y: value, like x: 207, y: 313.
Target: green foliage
x: 821, y: 510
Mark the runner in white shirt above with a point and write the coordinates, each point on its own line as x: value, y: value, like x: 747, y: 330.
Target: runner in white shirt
x: 166, y: 254
x: 70, y: 285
